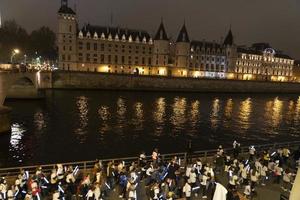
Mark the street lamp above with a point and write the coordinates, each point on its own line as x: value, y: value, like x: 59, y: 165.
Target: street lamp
x: 14, y: 52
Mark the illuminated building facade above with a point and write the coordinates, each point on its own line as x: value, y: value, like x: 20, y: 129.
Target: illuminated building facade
x: 296, y: 70
x: 262, y: 62
x: 128, y: 51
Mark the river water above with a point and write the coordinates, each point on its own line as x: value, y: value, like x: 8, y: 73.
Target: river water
x: 81, y: 125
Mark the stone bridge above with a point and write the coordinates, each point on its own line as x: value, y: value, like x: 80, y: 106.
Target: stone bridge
x: 20, y: 85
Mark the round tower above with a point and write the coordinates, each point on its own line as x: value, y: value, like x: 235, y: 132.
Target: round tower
x: 182, y: 51
x: 161, y: 48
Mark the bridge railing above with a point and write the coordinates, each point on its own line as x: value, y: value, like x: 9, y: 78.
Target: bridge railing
x: 86, y: 166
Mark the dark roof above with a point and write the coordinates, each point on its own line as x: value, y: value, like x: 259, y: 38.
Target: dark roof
x: 248, y: 51
x: 205, y: 44
x: 297, y: 62
x: 261, y: 46
x: 161, y: 33
x: 281, y: 55
x: 114, y: 31
x: 229, y: 38
x: 257, y: 49
x: 183, y: 35
x: 64, y: 9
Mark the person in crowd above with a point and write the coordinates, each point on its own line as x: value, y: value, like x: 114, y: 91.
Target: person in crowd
x: 263, y: 175
x: 286, y: 180
x: 187, y: 190
x: 252, y: 152
x: 155, y: 156
x: 165, y: 180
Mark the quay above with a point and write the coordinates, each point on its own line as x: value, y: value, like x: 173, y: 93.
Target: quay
x: 86, y: 168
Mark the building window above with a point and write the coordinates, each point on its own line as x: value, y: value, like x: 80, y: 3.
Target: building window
x: 143, y: 61
x: 88, y: 57
x: 102, y: 47
x: 116, y: 59
x: 70, y: 48
x: 95, y: 46
x: 102, y: 58
x: 123, y: 59
x: 63, y: 57
x: 80, y: 45
x: 129, y: 60
x: 70, y: 28
x: 149, y: 61
x: 109, y: 58
x: 88, y: 46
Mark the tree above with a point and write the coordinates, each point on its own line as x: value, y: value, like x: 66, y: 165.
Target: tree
x: 43, y: 42
x: 12, y: 36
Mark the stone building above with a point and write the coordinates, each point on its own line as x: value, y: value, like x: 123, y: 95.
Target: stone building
x: 262, y: 62
x: 121, y: 50
x: 128, y: 51
x: 296, y: 71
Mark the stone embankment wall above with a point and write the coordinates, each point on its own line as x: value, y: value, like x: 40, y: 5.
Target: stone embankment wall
x: 84, y: 80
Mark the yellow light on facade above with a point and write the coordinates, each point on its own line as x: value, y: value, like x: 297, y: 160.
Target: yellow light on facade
x: 103, y: 68
x: 16, y: 51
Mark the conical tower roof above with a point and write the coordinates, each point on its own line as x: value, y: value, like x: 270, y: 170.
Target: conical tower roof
x: 229, y: 38
x: 161, y: 33
x: 183, y: 35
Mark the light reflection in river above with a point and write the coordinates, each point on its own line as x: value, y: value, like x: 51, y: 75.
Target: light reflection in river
x: 194, y: 115
x: 228, y: 113
x: 138, y: 118
x: 16, y: 146
x: 273, y: 114
x: 39, y: 120
x: 104, y: 115
x: 297, y: 112
x: 103, y: 122
x: 244, y: 115
x: 178, y: 116
x: 290, y: 112
x: 83, y: 110
x: 277, y: 112
x: 214, y: 117
x: 159, y: 115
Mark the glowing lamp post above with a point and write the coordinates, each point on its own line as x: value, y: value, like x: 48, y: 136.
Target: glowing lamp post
x: 14, y: 52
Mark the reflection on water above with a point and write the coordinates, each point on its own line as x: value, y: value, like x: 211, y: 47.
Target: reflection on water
x: 16, y: 146
x: 39, y: 120
x: 214, y: 117
x: 228, y: 113
x: 273, y: 114
x: 178, y: 118
x: 159, y: 115
x: 104, y: 115
x: 111, y: 124
x: 244, y: 115
x: 83, y: 110
x: 121, y: 115
x: 195, y: 114
x: 277, y: 112
x: 138, y: 118
x: 290, y: 112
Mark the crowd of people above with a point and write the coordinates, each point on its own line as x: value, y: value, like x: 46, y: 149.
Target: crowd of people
x: 229, y: 175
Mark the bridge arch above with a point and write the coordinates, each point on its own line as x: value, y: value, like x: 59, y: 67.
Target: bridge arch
x: 18, y: 85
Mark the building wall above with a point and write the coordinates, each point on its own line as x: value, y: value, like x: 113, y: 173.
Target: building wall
x: 263, y: 67
x: 86, y: 80
x: 91, y: 52
x: 67, y: 41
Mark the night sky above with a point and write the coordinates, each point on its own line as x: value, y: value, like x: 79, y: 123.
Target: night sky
x: 273, y: 21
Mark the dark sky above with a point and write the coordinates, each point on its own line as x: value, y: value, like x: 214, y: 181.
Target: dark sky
x: 273, y: 21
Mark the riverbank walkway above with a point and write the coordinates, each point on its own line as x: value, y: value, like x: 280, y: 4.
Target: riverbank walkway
x: 166, y: 176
